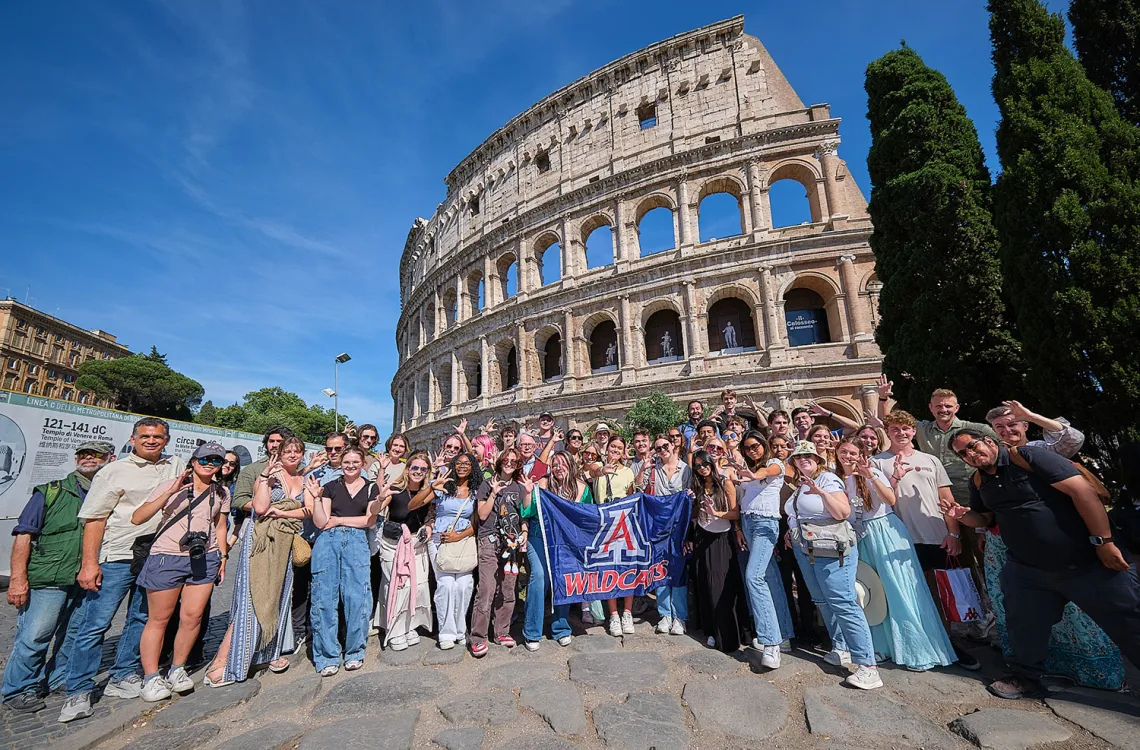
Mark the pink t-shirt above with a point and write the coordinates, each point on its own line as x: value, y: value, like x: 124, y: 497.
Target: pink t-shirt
x: 201, y: 519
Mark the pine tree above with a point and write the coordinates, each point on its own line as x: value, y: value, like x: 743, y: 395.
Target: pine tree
x: 1106, y: 34
x: 942, y: 318
x: 1068, y: 215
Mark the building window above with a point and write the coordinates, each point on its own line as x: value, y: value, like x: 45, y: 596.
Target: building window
x: 21, y: 324
x: 647, y: 115
x: 33, y: 369
x: 68, y: 378
x: 38, y: 348
x: 65, y: 394
x: 542, y: 161
x: 474, y: 205
x: 51, y: 374
x: 29, y: 386
x: 41, y: 332
x: 73, y: 357
x: 13, y: 363
x: 75, y: 343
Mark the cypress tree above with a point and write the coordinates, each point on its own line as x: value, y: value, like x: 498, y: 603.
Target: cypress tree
x: 1106, y: 34
x: 942, y: 318
x: 1067, y: 210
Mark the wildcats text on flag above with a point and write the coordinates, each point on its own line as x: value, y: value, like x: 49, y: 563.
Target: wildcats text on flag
x: 624, y: 548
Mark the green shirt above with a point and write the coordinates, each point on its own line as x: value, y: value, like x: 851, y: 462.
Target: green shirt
x: 531, y: 511
x: 931, y: 439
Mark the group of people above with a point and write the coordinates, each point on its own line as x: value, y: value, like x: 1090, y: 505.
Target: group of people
x: 790, y: 520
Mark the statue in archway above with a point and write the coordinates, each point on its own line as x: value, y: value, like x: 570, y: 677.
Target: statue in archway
x: 667, y: 345
x: 611, y: 354
x: 729, y: 336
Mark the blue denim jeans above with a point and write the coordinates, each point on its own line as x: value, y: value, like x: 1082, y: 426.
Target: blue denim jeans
x: 775, y: 583
x: 772, y: 622
x: 341, y: 575
x: 536, y: 593
x: 46, y: 615
x: 832, y: 588
x: 92, y: 620
x: 673, y: 601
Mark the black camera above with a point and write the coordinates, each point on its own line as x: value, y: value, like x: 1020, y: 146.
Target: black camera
x: 195, y: 543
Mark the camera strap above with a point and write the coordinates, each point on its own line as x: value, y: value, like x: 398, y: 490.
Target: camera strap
x: 186, y: 511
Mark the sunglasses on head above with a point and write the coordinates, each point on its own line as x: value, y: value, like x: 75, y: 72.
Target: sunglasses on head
x: 210, y: 461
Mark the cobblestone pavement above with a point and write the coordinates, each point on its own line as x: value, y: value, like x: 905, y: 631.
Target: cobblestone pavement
x: 639, y: 691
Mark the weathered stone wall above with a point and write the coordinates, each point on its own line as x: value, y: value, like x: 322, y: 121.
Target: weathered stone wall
x: 727, y: 121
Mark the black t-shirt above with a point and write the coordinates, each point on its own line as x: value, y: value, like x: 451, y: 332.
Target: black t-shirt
x: 398, y: 511
x: 344, y: 503
x: 1039, y: 524
x: 505, y: 510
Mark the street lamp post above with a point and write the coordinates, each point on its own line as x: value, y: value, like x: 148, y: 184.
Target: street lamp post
x: 340, y: 360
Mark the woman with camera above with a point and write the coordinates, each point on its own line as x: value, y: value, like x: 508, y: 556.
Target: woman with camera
x: 187, y: 556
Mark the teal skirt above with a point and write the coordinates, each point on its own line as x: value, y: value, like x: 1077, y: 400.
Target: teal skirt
x: 912, y: 635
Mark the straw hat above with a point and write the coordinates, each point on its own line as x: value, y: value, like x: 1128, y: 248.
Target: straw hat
x: 869, y: 591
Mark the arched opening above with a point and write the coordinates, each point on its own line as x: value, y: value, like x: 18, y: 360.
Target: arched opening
x: 604, y: 347
x: 423, y: 400
x: 792, y: 195
x: 510, y: 369
x: 30, y: 386
x: 552, y: 358
x: 508, y: 270
x: 429, y: 324
x: 720, y: 214
x: 663, y: 342
x: 443, y: 384
x: 655, y: 231
x: 730, y: 326
x: 598, y: 237
x: 806, y: 317
x: 414, y: 335
x: 549, y: 254
x: 475, y: 292
x: 450, y: 308
x: 473, y: 376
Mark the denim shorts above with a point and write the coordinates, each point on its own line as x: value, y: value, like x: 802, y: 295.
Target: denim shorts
x: 165, y: 572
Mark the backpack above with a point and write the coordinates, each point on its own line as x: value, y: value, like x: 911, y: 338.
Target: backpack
x: 1098, y: 487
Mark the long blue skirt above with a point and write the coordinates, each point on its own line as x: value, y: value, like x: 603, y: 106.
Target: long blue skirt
x: 912, y: 635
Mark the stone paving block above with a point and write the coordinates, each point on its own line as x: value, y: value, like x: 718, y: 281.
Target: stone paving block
x: 297, y: 693
x: 433, y: 656
x: 536, y: 741
x: 710, y: 661
x: 183, y: 738
x: 520, y: 674
x: 412, y: 655
x: 482, y: 709
x: 593, y: 644
x: 559, y: 704
x: 1113, y: 718
x: 469, y: 738
x: 646, y: 721
x: 392, y: 732
x: 273, y: 736
x: 378, y: 692
x: 1009, y: 729
x: 870, y: 716
x: 936, y: 684
x: 716, y: 705
x: 205, y: 702
x: 619, y: 673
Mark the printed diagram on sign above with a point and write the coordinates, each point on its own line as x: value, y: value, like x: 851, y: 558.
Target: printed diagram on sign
x: 13, y: 451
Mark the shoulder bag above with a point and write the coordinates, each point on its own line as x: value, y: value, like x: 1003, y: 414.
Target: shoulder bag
x: 458, y: 557
x: 822, y: 538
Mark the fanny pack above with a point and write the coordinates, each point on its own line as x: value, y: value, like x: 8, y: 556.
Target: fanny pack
x: 822, y: 538
x: 392, y: 530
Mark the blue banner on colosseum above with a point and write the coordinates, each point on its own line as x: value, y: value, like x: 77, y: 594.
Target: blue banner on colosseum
x: 623, y: 548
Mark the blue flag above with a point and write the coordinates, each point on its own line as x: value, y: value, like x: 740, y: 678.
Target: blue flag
x: 623, y: 548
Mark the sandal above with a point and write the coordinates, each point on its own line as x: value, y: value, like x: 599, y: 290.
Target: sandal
x: 279, y: 665
x: 220, y: 682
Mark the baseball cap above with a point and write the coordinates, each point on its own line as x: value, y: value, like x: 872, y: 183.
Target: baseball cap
x: 546, y: 415
x: 97, y: 446
x: 209, y: 449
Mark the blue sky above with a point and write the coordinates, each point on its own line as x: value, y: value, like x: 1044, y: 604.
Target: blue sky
x: 233, y: 181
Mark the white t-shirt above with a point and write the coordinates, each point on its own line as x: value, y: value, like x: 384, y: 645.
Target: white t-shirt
x: 811, y: 506
x: 878, y: 507
x: 917, y: 494
x: 762, y: 496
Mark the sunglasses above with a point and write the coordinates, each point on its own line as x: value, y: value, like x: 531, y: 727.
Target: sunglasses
x: 210, y: 461
x: 510, y: 462
x: 698, y: 467
x: 575, y: 437
x: 334, y: 449
x: 971, y: 447
x: 463, y: 463
x: 715, y: 449
x: 752, y: 446
x: 89, y: 454
x: 417, y: 470
x: 589, y: 455
x: 663, y: 447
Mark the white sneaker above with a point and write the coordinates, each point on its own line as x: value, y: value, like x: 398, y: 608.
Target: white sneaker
x: 627, y: 623
x: 531, y: 645
x: 771, y: 657
x: 615, y: 625
x: 413, y: 638
x: 461, y: 641
x: 565, y: 640
x: 446, y: 645
x: 786, y: 646
x: 664, y: 625
x: 678, y: 627
x: 756, y: 644
x: 180, y: 682
x: 75, y: 707
x: 155, y: 689
x: 837, y: 658
x: 129, y: 687
x: 329, y: 671
x: 865, y: 678
x: 398, y: 644
x: 710, y: 642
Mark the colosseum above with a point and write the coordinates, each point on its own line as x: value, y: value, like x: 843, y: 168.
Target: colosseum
x: 505, y: 315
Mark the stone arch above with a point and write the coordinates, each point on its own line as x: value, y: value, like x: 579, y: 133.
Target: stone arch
x: 597, y: 232
x: 548, y: 345
x: 472, y: 369
x: 450, y: 307
x: 807, y: 176
x: 731, y: 325
x: 427, y: 315
x: 476, y: 291
x: 714, y: 214
x: 507, y: 265
x: 507, y: 359
x: 443, y: 383
x: 659, y: 318
x: 811, y: 310
x: 600, y: 330
x: 548, y: 255
x: 422, y: 395
x: 656, y: 216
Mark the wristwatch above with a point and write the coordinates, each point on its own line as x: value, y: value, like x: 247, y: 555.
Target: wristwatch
x: 953, y: 535
x: 1099, y: 540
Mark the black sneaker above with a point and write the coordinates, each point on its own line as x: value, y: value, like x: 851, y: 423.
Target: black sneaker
x: 1012, y: 688
x: 966, y: 660
x: 25, y: 703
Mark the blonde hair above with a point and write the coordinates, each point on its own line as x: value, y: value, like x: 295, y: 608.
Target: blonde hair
x: 943, y: 393
x: 900, y: 417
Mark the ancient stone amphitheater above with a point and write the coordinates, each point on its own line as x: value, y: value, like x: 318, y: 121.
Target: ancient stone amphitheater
x: 505, y: 313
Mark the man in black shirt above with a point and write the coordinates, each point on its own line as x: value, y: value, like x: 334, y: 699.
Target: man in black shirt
x: 1060, y: 550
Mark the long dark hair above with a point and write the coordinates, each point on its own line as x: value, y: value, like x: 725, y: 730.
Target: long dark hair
x: 217, y: 486
x: 698, y: 482
x: 516, y: 475
x: 473, y: 481
x: 759, y: 463
x: 233, y: 475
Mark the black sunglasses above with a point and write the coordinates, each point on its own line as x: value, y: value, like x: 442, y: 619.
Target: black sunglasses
x: 210, y: 461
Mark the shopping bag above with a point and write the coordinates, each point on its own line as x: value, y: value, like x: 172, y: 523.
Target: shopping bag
x: 960, y: 599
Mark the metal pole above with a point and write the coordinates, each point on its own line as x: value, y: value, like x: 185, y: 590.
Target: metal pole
x: 336, y: 396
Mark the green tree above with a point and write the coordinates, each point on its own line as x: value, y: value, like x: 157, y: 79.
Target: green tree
x: 942, y: 319
x: 1067, y: 210
x: 272, y: 407
x: 1106, y: 34
x: 142, y: 385
x: 655, y: 413
x: 154, y: 356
